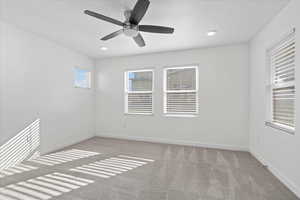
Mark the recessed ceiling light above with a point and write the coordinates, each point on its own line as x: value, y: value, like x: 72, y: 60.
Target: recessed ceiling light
x: 103, y: 48
x: 211, y: 33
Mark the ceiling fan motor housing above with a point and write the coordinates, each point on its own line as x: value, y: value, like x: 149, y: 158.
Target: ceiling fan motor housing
x: 130, y: 30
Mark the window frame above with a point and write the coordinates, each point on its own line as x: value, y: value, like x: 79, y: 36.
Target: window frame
x: 89, y: 78
x: 126, y: 91
x: 270, y: 86
x: 166, y: 91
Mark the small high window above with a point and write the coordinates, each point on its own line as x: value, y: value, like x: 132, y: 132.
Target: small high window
x: 82, y: 78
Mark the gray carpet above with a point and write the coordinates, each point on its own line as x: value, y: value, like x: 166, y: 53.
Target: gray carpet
x: 109, y: 169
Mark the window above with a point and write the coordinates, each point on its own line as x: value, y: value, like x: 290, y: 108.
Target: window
x: 138, y: 92
x: 282, y: 85
x: 181, y: 91
x: 82, y: 78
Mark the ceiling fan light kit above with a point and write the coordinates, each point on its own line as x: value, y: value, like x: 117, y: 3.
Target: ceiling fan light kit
x: 131, y: 27
x: 130, y: 30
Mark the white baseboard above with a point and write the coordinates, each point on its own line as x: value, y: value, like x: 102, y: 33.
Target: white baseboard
x: 176, y: 142
x: 259, y: 158
x: 286, y: 181
x: 61, y: 147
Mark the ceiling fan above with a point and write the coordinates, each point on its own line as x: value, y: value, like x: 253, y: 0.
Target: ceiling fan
x: 131, y: 25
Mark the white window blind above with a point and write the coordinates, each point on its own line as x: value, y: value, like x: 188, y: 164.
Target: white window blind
x: 139, y: 92
x: 282, y: 63
x: 181, y: 90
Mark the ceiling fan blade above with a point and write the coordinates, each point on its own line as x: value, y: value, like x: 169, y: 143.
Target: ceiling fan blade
x: 139, y: 40
x: 105, y: 18
x: 112, y: 35
x: 156, y: 29
x: 139, y: 11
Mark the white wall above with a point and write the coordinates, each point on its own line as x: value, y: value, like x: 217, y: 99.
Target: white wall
x: 279, y: 150
x: 37, y: 82
x: 223, y: 118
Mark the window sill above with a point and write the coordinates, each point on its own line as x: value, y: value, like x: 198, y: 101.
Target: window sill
x: 281, y: 127
x: 185, y: 116
x: 138, y: 114
x: 86, y: 88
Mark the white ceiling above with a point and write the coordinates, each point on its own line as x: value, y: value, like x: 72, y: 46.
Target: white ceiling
x: 64, y: 22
